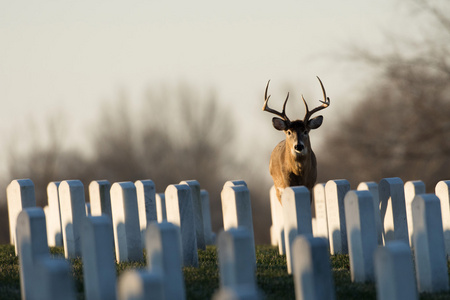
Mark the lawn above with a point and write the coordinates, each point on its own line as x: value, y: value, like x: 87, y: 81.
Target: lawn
x: 201, y: 282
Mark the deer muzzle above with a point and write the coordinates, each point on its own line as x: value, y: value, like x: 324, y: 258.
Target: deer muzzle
x: 299, y: 149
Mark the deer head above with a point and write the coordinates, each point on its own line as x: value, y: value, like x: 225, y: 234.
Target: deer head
x: 297, y: 132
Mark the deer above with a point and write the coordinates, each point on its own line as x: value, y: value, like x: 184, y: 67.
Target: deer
x: 293, y: 162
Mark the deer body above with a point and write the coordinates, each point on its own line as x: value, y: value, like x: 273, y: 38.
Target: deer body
x: 293, y: 162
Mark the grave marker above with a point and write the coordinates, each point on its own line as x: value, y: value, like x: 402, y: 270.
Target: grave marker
x: 277, y: 229
x: 99, y: 269
x: 99, y: 197
x: 198, y: 212
x: 164, y: 256
x: 412, y: 188
x: 372, y: 187
x: 146, y: 200
x: 40, y: 276
x: 125, y: 217
x: 296, y: 216
x: 53, y: 216
x: 442, y: 190
x: 335, y: 191
x: 429, y: 247
x: 235, y: 254
x: 320, y: 229
x: 313, y: 279
x: 393, y: 210
x: 31, y: 246
x: 394, y: 272
x: 237, y: 210
x: 20, y: 195
x: 180, y: 212
x: 234, y: 183
x: 55, y: 280
x: 73, y: 211
x: 361, y: 234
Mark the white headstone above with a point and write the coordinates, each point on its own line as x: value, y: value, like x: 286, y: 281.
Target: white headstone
x: 394, y: 272
x: 20, y: 195
x: 99, y: 197
x: 55, y: 280
x: 40, y: 276
x: 372, y: 187
x: 320, y: 229
x: 313, y: 279
x: 297, y: 217
x: 163, y: 245
x: 99, y: 269
x: 393, y: 209
x: 146, y: 199
x: 31, y: 246
x: 180, y: 212
x: 237, y: 210
x: 140, y: 285
x: 235, y: 183
x: 161, y: 207
x: 206, y: 211
x: 361, y: 234
x: 276, y: 211
x: 125, y: 217
x: 442, y: 190
x: 235, y: 254
x: 53, y: 216
x: 198, y: 213
x: 73, y: 211
x: 335, y: 191
x: 429, y: 247
x: 412, y: 188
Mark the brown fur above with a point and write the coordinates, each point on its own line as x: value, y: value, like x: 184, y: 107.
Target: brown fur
x: 288, y: 168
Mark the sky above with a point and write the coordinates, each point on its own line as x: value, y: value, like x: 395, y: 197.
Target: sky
x: 72, y: 57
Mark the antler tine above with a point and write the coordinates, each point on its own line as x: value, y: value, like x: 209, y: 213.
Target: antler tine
x: 284, y: 104
x: 325, y: 98
x: 325, y: 103
x: 268, y: 109
x: 306, y: 105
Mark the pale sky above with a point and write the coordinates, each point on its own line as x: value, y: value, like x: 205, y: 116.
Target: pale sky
x: 72, y: 56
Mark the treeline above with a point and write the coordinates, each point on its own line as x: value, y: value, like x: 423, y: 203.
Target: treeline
x: 173, y: 135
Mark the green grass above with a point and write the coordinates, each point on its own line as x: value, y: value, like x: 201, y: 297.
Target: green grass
x: 201, y: 282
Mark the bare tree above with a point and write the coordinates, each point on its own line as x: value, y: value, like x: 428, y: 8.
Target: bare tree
x: 400, y: 127
x: 44, y: 157
x: 173, y: 135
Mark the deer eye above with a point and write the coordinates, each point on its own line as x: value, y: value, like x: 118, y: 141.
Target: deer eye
x: 289, y: 132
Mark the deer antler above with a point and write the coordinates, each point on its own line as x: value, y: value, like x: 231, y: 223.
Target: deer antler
x: 268, y: 109
x: 325, y: 104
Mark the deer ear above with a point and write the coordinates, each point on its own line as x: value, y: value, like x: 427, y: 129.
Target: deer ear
x: 315, y: 123
x: 279, y: 124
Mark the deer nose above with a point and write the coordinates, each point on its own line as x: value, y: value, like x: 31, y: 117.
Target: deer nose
x: 299, y: 147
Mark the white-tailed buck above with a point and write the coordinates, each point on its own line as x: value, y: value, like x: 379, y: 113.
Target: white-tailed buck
x: 293, y: 162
